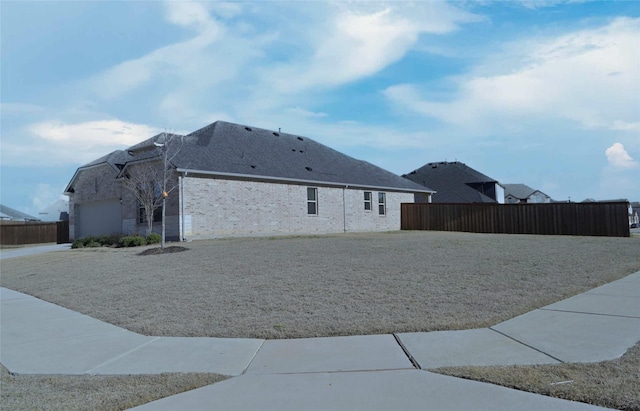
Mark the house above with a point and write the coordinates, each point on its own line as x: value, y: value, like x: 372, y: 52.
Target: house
x: 455, y: 182
x: 9, y: 214
x: 634, y: 214
x: 234, y: 180
x: 520, y: 194
x: 57, y: 211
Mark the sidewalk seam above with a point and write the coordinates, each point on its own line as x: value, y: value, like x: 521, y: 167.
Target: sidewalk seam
x: 253, y: 358
x: 413, y: 361
x: 527, y: 345
x: 89, y: 371
x: 587, y: 313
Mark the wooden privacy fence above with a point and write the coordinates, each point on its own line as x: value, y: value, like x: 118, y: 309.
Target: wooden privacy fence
x: 589, y: 219
x: 34, y: 233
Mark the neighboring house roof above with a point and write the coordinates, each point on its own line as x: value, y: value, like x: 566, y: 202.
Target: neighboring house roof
x: 452, y: 180
x: 8, y: 213
x: 238, y: 151
x: 520, y: 191
x: 56, y: 211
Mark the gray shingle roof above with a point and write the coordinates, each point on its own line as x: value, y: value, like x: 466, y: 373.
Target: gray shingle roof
x: 8, y: 213
x: 451, y: 181
x: 116, y: 160
x: 519, y: 191
x: 248, y: 152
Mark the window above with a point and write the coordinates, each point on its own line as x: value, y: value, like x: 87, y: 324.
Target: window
x: 382, y: 202
x: 142, y: 217
x: 367, y: 201
x: 151, y: 193
x: 312, y: 200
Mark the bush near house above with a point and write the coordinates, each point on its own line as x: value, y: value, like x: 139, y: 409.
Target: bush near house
x: 132, y: 241
x: 97, y: 241
x: 154, y: 238
x: 116, y: 240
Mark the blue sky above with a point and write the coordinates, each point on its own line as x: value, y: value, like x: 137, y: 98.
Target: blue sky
x: 545, y: 93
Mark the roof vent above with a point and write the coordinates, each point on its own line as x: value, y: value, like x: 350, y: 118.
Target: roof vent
x: 276, y: 134
x: 293, y: 149
x: 434, y: 166
x: 253, y: 166
x: 300, y: 138
x: 302, y: 151
x: 308, y: 168
x: 248, y: 128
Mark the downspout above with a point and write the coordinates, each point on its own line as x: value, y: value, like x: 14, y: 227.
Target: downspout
x: 182, y: 229
x: 344, y: 209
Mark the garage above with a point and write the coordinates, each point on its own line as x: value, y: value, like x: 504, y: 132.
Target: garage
x: 98, y: 218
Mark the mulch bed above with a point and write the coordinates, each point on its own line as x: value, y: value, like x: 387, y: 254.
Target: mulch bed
x: 166, y: 250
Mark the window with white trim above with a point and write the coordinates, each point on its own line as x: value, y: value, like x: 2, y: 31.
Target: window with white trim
x: 312, y: 200
x: 382, y: 203
x: 367, y: 201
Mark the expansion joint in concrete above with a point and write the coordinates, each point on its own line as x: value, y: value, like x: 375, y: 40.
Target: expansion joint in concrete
x: 527, y: 345
x: 413, y: 361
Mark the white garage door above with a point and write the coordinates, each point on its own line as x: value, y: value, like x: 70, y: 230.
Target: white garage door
x: 100, y: 218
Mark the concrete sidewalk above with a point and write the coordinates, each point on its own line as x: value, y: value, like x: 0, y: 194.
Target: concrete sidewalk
x: 32, y: 250
x: 378, y: 372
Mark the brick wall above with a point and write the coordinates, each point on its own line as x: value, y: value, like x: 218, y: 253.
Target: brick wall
x: 217, y: 207
x: 93, y: 184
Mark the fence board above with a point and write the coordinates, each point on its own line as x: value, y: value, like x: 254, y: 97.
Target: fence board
x: 588, y: 219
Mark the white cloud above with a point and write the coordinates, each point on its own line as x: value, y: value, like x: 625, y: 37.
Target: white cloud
x: 91, y: 133
x: 299, y: 111
x: 54, y: 143
x: 188, y: 14
x: 42, y: 197
x: 361, y: 39
x: 170, y: 62
x: 589, y: 77
x: 618, y: 157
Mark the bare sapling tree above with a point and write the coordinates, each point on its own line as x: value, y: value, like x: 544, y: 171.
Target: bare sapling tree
x: 152, y: 179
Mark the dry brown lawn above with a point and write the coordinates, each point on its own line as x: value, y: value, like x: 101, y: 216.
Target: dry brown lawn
x: 612, y: 384
x: 349, y: 284
x: 92, y: 392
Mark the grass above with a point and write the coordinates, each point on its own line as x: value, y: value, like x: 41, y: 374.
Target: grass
x: 611, y: 384
x: 104, y: 393
x: 352, y: 284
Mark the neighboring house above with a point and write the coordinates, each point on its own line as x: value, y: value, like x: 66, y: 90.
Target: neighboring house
x: 455, y: 182
x: 235, y: 180
x: 57, y: 211
x: 634, y: 214
x: 520, y: 194
x: 9, y: 214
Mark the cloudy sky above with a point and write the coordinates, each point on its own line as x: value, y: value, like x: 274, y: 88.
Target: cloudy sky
x: 545, y: 93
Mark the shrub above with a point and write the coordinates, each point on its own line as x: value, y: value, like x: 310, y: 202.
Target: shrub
x: 132, y: 241
x: 83, y: 242
x: 92, y: 241
x: 154, y: 238
x: 109, y: 240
